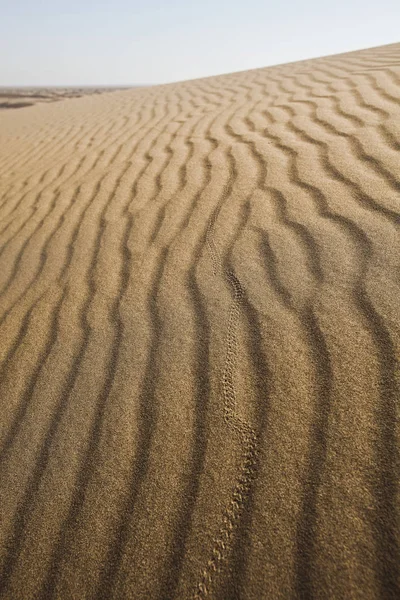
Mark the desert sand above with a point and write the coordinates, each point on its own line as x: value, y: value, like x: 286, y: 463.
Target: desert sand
x: 200, y: 338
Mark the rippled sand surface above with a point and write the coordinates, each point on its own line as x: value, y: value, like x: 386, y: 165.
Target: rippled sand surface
x: 200, y: 338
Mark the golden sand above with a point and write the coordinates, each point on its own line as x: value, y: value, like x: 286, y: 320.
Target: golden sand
x: 200, y: 338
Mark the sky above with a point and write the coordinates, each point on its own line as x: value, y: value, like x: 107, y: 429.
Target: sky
x: 132, y: 42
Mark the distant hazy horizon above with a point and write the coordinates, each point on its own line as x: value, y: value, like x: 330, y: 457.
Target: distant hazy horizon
x: 125, y: 43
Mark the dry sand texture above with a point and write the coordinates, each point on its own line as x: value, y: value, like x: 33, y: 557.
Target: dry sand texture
x: 200, y: 338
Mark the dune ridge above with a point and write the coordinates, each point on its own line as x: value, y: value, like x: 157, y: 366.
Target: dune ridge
x: 200, y: 338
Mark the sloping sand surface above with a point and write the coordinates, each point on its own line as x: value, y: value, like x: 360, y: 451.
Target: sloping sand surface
x: 200, y: 338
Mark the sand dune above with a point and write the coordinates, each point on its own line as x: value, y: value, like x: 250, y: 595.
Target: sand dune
x: 200, y: 338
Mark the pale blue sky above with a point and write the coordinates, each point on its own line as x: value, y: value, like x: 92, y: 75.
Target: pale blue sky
x: 78, y: 42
